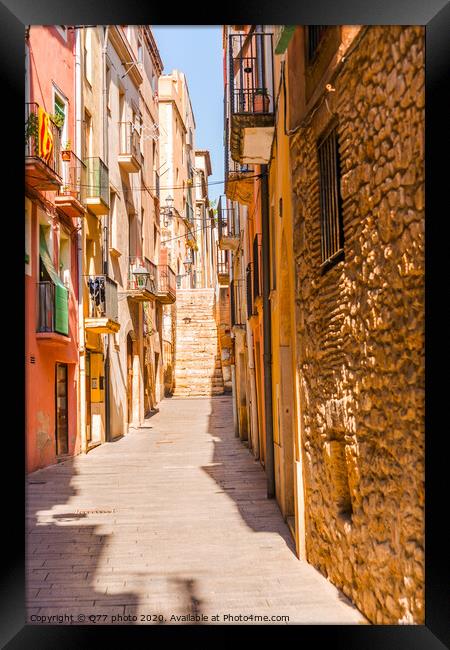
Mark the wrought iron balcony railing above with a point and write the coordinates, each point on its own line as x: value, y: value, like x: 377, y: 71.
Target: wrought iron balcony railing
x: 45, y: 147
x: 103, y: 301
x: 237, y: 301
x: 129, y: 140
x: 97, y: 177
x: 167, y: 285
x: 130, y: 155
x: 223, y: 265
x: 74, y: 176
x: 251, y: 73
x: 227, y: 218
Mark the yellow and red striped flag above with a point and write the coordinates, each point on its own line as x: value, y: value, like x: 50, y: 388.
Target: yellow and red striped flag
x: 45, y: 135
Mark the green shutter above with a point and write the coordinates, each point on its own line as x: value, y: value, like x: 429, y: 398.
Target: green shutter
x: 285, y: 36
x: 61, y: 310
x: 61, y: 293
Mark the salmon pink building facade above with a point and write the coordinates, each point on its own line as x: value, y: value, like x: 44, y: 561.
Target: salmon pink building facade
x: 52, y: 210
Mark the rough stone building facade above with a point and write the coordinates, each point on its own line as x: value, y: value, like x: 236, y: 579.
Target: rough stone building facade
x: 360, y: 322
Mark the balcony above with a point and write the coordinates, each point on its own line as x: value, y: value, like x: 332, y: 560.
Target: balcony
x: 166, y: 285
x: 223, y: 267
x: 228, y: 222
x: 97, y: 186
x: 72, y: 194
x: 239, y: 179
x: 42, y: 153
x: 103, y: 309
x: 251, y: 96
x: 142, y: 280
x: 129, y: 158
x: 52, y: 325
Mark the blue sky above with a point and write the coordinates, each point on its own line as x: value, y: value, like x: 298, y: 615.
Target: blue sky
x: 197, y: 51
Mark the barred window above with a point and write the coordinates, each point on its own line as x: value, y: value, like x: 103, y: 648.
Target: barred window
x: 332, y: 231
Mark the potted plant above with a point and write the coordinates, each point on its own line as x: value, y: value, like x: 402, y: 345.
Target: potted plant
x: 65, y: 153
x: 58, y: 120
x: 261, y: 101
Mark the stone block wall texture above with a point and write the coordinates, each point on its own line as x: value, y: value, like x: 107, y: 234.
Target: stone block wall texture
x: 361, y: 331
x: 198, y: 369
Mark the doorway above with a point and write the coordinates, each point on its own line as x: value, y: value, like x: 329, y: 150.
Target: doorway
x: 62, y: 421
x: 88, y: 397
x: 259, y: 400
x: 130, y: 377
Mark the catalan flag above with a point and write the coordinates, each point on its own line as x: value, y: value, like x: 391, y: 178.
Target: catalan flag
x: 45, y: 136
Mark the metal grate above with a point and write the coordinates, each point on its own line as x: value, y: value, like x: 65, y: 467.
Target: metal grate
x: 332, y: 232
x: 257, y: 279
x: 248, y: 283
x: 314, y: 36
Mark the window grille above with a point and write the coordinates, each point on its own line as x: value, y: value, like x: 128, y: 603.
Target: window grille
x: 332, y: 232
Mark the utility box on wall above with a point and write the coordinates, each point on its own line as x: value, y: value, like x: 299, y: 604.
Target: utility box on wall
x: 97, y: 377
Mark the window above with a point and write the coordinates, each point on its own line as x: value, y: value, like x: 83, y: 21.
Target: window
x: 64, y: 259
x: 113, y: 243
x: 332, y: 232
x: 108, y: 89
x: 314, y: 35
x: 61, y: 415
x: 87, y: 135
x: 60, y: 110
x: 88, y: 56
x: 140, y: 53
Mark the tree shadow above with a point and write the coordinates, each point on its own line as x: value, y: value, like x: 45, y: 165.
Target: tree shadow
x: 239, y: 475
x: 66, y: 542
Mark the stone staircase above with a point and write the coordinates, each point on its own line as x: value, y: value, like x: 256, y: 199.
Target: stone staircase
x: 198, y: 370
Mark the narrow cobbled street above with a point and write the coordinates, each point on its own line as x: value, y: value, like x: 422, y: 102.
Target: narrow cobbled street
x: 169, y: 521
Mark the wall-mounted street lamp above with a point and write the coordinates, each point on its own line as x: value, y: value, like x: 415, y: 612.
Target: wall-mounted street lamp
x: 187, y: 264
x: 167, y: 211
x: 141, y: 275
x: 188, y: 268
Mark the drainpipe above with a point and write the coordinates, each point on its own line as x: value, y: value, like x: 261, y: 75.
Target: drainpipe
x: 267, y: 333
x: 80, y: 241
x: 254, y: 414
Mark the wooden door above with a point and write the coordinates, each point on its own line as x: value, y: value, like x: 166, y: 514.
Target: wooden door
x: 130, y: 377
x: 88, y: 397
x: 62, y: 420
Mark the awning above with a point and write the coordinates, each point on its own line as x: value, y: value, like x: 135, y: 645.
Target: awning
x: 61, y: 322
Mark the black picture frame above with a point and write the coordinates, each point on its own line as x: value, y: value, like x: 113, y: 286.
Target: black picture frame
x: 435, y: 15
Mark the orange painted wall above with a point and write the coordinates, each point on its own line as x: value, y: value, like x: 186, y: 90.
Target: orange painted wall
x: 51, y: 61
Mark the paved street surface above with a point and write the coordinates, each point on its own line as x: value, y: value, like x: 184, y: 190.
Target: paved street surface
x: 171, y: 520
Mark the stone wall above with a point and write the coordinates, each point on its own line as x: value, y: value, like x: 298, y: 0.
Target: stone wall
x: 360, y: 331
x: 198, y: 369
